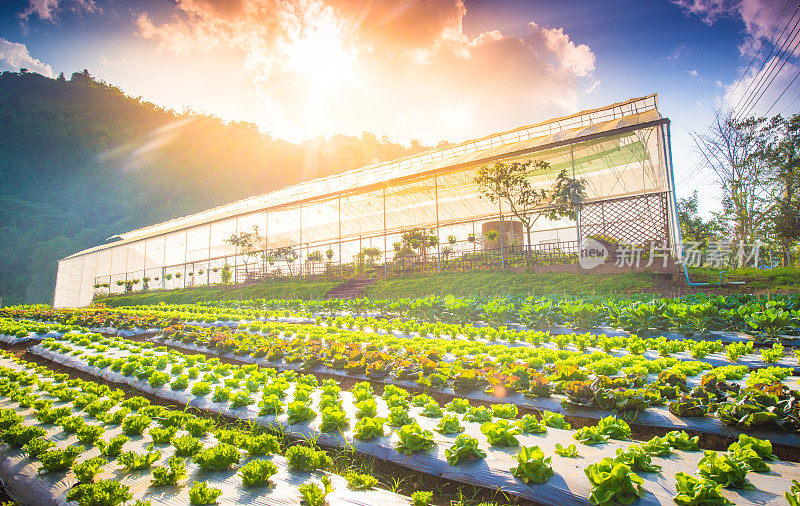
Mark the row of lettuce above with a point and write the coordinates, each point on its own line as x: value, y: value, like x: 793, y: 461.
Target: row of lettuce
x: 88, y: 434
x: 295, y: 399
x: 698, y: 313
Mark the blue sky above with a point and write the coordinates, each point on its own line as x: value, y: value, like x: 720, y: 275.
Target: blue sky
x: 442, y: 70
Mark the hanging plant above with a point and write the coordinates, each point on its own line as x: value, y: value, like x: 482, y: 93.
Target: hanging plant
x: 200, y: 272
x: 167, y: 276
x: 177, y: 275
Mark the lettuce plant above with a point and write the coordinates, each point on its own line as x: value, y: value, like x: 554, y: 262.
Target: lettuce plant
x: 366, y: 408
x: 458, y: 405
x: 505, y: 410
x: 358, y: 481
x: 37, y: 446
x: 590, y: 435
x: 501, y: 433
x: 465, y: 447
x: 613, y: 482
x: 262, y: 444
x: 531, y: 425
x: 724, y: 469
x: 680, y: 440
x: 399, y: 417
x: 432, y: 410
x: 133, y: 461
x: 449, y: 424
x: 421, y: 498
x: 299, y: 412
x: 20, y: 435
x: 532, y: 466
x: 637, y: 459
x: 187, y: 446
x: 112, y: 447
x: 303, y: 458
x: 198, y: 426
x: 761, y: 446
x: 162, y: 435
x: 693, y: 491
x: 333, y: 419
x: 413, y: 439
x: 569, y: 451
x: 657, y: 446
x: 313, y: 494
x: 479, y: 414
x: 60, y: 460
x: 217, y: 458
x: 171, y: 474
x: 793, y: 495
x: 257, y: 473
x: 368, y: 428
x: 105, y: 492
x: 88, y: 469
x: 136, y: 424
x: 201, y: 493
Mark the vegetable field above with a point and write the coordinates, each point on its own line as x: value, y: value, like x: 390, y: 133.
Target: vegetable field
x: 691, y: 400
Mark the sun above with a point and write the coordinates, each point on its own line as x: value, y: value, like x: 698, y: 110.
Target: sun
x: 320, y: 53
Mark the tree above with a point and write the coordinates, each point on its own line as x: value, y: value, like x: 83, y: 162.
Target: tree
x: 732, y: 148
x: 249, y: 244
x: 510, y: 183
x: 783, y: 153
x: 693, y: 227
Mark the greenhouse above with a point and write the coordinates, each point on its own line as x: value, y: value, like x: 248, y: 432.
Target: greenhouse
x: 421, y: 213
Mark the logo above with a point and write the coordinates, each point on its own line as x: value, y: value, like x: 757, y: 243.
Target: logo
x: 593, y: 253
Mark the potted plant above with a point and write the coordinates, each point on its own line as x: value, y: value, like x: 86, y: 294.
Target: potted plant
x: 226, y: 274
x: 145, y: 282
x: 329, y: 254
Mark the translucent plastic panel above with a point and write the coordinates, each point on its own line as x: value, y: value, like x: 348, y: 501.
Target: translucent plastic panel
x: 284, y: 228
x: 459, y: 199
x: 411, y: 205
x: 197, y: 243
x: 362, y: 214
x: 155, y: 252
x: 320, y: 221
x: 104, y: 264
x: 135, y: 261
x: 175, y: 248
x: 221, y: 231
x: 119, y: 259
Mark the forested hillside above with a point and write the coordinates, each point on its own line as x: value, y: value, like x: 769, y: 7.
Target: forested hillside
x: 81, y: 161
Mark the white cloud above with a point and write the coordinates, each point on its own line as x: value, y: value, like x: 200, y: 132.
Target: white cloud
x: 47, y: 10
x: 693, y: 72
x: 14, y: 56
x: 758, y: 16
x: 758, y: 91
x: 406, y: 69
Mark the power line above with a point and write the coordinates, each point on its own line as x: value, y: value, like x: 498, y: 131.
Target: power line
x: 790, y: 104
x: 777, y: 73
x: 781, y: 95
x: 759, y: 74
x: 755, y: 55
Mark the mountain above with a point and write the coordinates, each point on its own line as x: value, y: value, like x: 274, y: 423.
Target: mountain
x: 81, y: 161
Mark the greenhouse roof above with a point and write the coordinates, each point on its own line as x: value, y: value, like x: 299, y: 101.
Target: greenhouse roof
x: 582, y: 126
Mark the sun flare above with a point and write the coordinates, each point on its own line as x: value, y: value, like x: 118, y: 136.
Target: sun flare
x: 322, y: 55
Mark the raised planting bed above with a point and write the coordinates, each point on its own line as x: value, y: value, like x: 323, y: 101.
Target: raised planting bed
x: 252, y: 393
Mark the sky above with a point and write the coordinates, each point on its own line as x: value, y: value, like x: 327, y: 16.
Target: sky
x: 424, y: 69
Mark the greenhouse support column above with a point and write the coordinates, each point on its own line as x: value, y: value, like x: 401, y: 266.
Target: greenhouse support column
x: 385, y: 252
x: 185, y: 253
x: 208, y: 270
x: 577, y: 204
x: 144, y: 265
x: 301, y: 242
x: 339, y: 211
x: 436, y: 207
x: 502, y: 239
x: 266, y: 242
x: 235, y: 252
x: 164, y: 265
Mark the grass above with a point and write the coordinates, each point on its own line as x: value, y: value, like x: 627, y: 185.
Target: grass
x: 481, y: 284
x: 273, y: 289
x: 508, y: 283
x: 783, y: 279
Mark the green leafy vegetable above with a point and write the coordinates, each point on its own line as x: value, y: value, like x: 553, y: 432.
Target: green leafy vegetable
x: 464, y: 447
x: 532, y: 466
x: 570, y: 451
x: 171, y: 474
x: 413, y: 439
x: 201, y: 493
x: 613, y: 482
x: 257, y: 473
